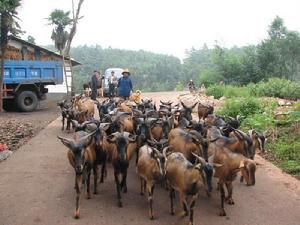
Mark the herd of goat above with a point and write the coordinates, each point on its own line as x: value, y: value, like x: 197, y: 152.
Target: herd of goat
x: 170, y: 148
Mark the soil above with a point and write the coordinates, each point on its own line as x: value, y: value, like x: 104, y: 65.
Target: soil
x: 16, y: 128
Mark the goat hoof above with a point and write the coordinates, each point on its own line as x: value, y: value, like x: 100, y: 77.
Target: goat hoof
x: 222, y: 213
x: 77, y: 214
x: 125, y: 190
x: 182, y: 214
x: 120, y: 205
x: 151, y: 217
x: 230, y: 201
x: 95, y: 192
x: 172, y: 212
x: 142, y: 193
x: 88, y: 196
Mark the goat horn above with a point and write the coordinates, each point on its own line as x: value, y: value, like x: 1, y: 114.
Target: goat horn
x: 201, y: 160
x: 165, y: 151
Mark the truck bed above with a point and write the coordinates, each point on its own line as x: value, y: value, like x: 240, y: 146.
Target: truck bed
x: 46, y: 72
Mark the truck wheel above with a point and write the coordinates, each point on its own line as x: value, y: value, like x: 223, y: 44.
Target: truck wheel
x: 27, y: 101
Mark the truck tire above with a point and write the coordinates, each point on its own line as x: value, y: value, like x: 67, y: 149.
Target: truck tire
x: 27, y: 101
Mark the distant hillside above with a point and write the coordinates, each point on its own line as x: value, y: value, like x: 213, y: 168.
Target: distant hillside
x: 150, y: 71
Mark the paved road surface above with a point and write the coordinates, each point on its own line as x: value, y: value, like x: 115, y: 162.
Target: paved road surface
x: 36, y: 187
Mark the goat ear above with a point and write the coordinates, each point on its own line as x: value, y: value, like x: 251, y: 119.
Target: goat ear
x: 217, y: 165
x: 67, y: 142
x: 104, y: 126
x: 242, y: 164
x: 150, y: 142
x: 111, y: 138
x: 131, y: 138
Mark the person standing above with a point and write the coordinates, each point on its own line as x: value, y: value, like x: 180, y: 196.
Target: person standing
x: 112, y: 82
x: 125, y: 85
x: 94, y: 84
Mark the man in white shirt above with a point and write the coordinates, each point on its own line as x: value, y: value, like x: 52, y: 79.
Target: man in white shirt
x: 112, y: 82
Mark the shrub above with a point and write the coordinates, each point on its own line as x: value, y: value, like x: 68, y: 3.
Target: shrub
x: 232, y: 91
x: 215, y: 90
x: 241, y: 106
x: 179, y: 86
x: 276, y: 87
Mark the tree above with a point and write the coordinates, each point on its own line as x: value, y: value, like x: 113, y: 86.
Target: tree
x: 61, y: 20
x: 31, y: 39
x: 74, y: 25
x: 8, y: 25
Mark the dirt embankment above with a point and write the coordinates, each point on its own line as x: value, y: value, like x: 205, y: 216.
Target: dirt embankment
x: 17, y: 128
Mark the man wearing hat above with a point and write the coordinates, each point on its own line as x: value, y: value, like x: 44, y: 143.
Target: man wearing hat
x: 125, y: 85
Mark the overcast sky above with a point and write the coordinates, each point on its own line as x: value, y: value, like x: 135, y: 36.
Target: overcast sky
x: 163, y: 26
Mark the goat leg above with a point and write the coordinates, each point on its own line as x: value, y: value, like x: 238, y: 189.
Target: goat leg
x: 118, y: 186
x: 142, y: 186
x: 63, y: 123
x: 103, y: 171
x: 172, y: 193
x: 77, y: 187
x: 95, y: 171
x: 222, y: 194
x: 229, y: 199
x: 241, y: 178
x: 124, y: 183
x: 182, y: 199
x: 192, y: 205
x: 150, y: 188
x: 88, y: 193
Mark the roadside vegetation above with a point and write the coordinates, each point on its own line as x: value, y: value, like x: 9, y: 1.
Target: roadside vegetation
x: 281, y: 124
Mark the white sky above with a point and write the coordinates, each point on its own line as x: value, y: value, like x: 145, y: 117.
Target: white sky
x: 163, y: 26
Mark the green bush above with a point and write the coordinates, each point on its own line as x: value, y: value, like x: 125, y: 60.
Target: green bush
x: 232, y: 91
x: 179, y: 86
x: 216, y: 90
x: 241, y: 106
x: 276, y: 87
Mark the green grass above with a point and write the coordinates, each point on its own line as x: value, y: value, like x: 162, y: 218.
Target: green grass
x: 286, y: 149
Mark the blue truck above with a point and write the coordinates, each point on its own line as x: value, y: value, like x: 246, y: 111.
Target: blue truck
x: 25, y: 81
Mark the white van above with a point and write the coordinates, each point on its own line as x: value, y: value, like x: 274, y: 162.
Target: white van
x: 118, y: 74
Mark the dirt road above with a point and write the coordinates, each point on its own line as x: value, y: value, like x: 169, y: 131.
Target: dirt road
x: 36, y: 187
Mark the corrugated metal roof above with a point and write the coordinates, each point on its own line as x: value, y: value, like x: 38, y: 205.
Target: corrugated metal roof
x: 74, y: 62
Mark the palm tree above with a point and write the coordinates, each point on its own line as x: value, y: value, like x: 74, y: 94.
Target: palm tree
x: 8, y: 25
x: 61, y: 20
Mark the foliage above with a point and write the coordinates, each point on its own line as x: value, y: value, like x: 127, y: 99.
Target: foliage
x: 149, y: 71
x: 286, y: 149
x: 244, y: 107
x: 31, y: 39
x: 8, y: 25
x: 61, y: 20
x: 276, y: 87
x: 179, y: 86
x: 216, y: 90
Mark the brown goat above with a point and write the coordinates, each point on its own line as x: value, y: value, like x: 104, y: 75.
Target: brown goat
x: 204, y: 110
x: 230, y: 164
x: 150, y: 168
x: 84, y: 104
x: 187, y: 143
x: 185, y: 178
x: 82, y: 158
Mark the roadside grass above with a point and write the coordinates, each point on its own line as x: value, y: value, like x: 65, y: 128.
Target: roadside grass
x: 274, y: 87
x: 283, y: 147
